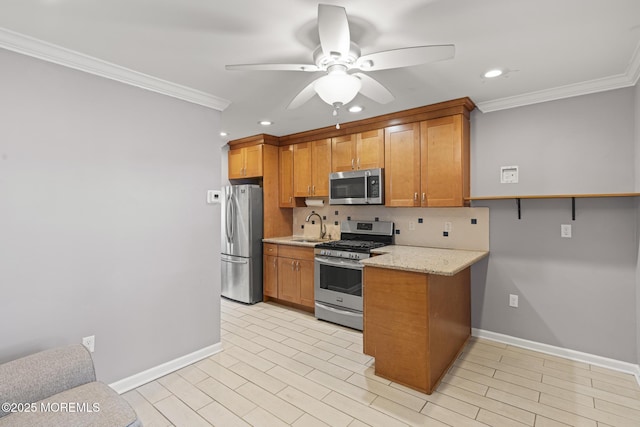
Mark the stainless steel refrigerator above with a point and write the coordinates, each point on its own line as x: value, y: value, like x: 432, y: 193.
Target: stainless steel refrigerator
x: 242, y: 243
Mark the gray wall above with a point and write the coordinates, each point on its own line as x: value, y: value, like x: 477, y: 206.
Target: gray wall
x: 637, y: 189
x: 103, y: 222
x: 577, y: 293
x: 582, y: 144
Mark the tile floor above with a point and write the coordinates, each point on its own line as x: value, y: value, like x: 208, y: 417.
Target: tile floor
x: 282, y: 367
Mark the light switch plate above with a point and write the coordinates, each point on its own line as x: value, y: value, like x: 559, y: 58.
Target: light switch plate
x: 509, y: 175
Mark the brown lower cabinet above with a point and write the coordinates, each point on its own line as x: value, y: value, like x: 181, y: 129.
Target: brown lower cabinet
x: 415, y: 324
x: 288, y: 274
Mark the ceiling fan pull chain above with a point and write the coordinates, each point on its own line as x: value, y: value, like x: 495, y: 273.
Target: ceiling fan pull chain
x: 336, y: 108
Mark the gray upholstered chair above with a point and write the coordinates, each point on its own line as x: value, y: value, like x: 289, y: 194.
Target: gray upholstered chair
x: 58, y: 387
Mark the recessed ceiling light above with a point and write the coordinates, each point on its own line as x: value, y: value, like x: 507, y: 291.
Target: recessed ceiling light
x: 265, y: 123
x: 224, y: 134
x: 355, y: 109
x: 493, y: 73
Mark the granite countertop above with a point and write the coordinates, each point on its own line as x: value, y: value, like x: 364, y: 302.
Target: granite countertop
x: 444, y: 262
x: 308, y: 242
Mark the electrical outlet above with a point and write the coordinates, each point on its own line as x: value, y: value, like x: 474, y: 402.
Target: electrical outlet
x: 513, y: 300
x: 412, y: 225
x: 565, y: 231
x: 214, y: 196
x: 89, y: 342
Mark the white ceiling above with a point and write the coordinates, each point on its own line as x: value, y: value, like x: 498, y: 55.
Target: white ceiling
x: 551, y: 48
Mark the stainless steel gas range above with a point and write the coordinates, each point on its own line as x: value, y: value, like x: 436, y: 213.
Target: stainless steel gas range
x: 338, y: 271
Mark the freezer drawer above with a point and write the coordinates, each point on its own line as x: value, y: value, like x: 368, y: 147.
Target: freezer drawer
x: 241, y: 279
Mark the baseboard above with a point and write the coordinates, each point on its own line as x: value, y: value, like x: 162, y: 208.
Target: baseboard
x: 578, y: 356
x: 129, y: 383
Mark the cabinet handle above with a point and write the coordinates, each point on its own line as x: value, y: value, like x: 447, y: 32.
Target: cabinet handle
x: 308, y: 189
x: 415, y: 197
x: 244, y: 171
x: 275, y: 263
x: 313, y: 190
x: 293, y: 265
x: 353, y: 164
x: 358, y: 162
x: 423, y: 196
x: 298, y: 265
x: 290, y: 199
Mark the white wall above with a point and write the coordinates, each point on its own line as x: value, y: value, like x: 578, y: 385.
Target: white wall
x: 577, y: 293
x: 103, y: 222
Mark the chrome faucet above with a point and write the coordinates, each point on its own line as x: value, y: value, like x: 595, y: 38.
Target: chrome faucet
x: 323, y: 228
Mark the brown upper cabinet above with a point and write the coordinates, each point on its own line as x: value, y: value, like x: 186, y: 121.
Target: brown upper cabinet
x: 427, y: 163
x: 424, y: 150
x: 245, y: 162
x: 311, y: 168
x: 285, y: 172
x: 444, y: 154
x: 358, y: 151
x: 402, y: 165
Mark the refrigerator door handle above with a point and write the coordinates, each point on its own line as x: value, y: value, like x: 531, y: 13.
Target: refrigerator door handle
x: 232, y: 261
x: 229, y: 219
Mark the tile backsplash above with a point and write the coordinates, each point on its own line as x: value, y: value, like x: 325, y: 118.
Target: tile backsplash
x: 451, y: 228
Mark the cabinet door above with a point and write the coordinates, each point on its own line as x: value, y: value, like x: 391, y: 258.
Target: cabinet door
x: 288, y: 285
x: 236, y: 163
x: 285, y: 172
x: 302, y: 169
x: 442, y: 165
x: 402, y: 165
x: 305, y: 270
x: 370, y: 149
x: 343, y: 153
x: 320, y: 167
x: 395, y: 324
x: 270, y: 279
x: 253, y: 161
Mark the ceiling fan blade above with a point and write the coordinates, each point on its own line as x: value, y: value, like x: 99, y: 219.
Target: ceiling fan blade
x: 273, y: 67
x: 303, y: 96
x: 371, y: 88
x: 406, y: 57
x: 333, y: 29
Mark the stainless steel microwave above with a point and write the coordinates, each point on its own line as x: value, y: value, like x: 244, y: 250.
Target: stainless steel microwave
x: 361, y: 187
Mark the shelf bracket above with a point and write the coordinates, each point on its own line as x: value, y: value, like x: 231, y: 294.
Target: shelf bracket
x: 518, y: 203
x: 573, y: 208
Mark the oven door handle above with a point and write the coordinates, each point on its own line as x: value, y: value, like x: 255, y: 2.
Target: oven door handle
x: 339, y: 262
x: 338, y: 311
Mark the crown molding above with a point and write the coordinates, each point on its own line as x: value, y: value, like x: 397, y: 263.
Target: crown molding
x: 45, y: 51
x: 629, y: 78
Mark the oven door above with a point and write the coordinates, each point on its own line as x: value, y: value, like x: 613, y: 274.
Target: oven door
x: 338, y: 282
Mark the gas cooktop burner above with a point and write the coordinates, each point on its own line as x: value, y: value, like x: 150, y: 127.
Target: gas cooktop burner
x: 351, y: 244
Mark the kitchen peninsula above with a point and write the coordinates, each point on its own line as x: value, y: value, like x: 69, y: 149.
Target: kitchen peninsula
x: 417, y: 313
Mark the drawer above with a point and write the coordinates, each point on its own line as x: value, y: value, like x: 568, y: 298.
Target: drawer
x: 270, y: 249
x: 296, y: 252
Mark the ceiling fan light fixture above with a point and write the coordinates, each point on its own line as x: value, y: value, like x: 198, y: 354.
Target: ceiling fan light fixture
x: 338, y: 88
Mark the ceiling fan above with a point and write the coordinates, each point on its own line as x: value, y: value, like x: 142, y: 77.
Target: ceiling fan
x: 340, y: 59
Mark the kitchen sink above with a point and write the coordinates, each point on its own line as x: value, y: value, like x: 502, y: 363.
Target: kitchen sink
x: 308, y: 240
